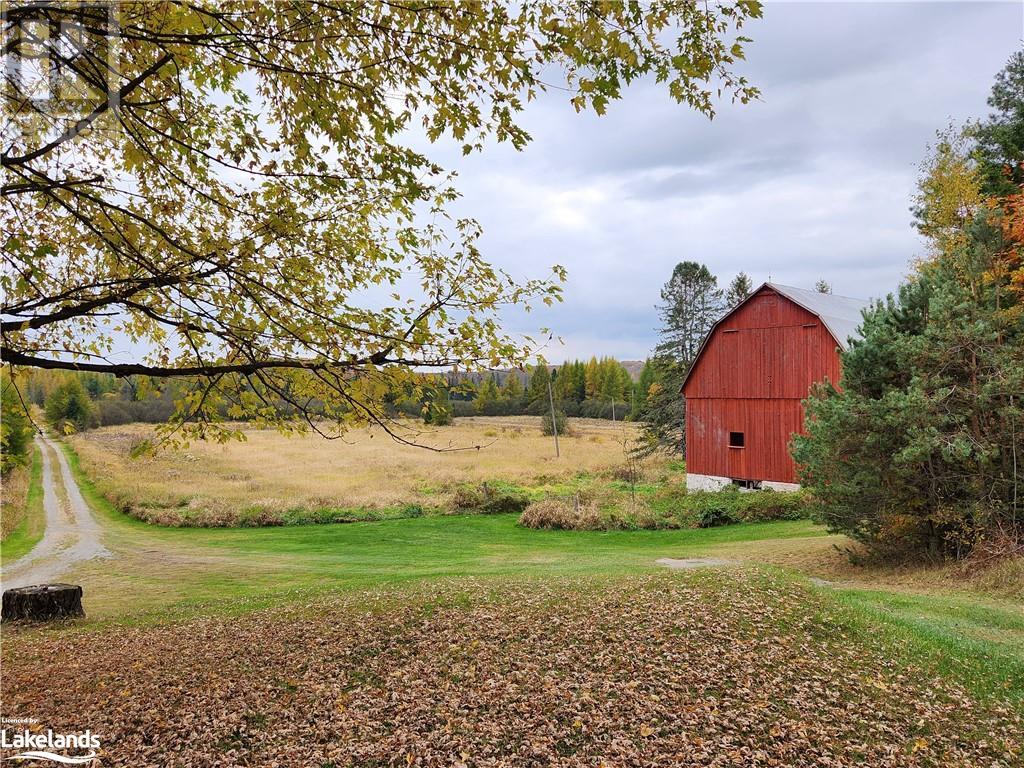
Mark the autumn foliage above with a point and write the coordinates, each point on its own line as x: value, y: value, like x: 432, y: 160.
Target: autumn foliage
x: 920, y: 451
x: 1008, y: 266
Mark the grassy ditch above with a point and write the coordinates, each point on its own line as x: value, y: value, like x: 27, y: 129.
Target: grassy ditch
x: 25, y: 512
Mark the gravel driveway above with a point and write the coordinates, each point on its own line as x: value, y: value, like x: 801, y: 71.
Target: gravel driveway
x: 72, y: 534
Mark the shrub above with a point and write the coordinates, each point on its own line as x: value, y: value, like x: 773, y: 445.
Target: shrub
x: 632, y: 472
x: 487, y: 500
x: 462, y: 408
x: 710, y: 509
x: 505, y: 503
x: 153, y: 408
x: 634, y: 515
x: 15, y: 429
x: 560, y: 513
x: 767, y: 505
x: 412, y: 510
x: 671, y: 506
x: 438, y: 412
x: 466, y: 497
x: 587, y: 511
x: 560, y: 421
x: 68, y: 407
x: 602, y: 409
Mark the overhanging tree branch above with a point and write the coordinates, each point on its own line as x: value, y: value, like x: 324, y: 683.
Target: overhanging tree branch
x: 245, y: 206
x: 14, y: 357
x: 80, y: 125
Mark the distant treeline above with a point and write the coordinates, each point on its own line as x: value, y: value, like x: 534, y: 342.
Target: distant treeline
x: 599, y: 388
x: 86, y: 400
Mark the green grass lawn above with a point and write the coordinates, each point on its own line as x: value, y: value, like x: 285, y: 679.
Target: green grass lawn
x: 978, y: 641
x: 30, y: 530
x: 477, y: 545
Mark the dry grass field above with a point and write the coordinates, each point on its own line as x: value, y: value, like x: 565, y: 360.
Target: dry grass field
x: 268, y: 475
x: 13, y: 500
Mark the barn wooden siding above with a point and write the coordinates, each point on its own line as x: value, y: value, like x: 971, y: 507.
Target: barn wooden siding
x: 754, y: 370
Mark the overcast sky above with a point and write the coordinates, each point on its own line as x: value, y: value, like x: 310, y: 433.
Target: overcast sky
x: 814, y: 181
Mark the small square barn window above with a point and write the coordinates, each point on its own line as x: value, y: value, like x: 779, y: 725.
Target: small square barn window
x: 736, y: 440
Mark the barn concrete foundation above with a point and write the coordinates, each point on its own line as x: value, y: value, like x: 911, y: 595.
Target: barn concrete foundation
x: 696, y: 482
x: 706, y: 482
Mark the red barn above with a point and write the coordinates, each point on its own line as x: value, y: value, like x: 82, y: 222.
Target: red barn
x: 745, y: 387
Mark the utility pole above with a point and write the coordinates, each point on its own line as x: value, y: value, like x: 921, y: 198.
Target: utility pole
x: 554, y: 421
x: 613, y: 409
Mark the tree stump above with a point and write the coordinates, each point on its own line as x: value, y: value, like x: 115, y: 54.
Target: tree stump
x: 43, y: 602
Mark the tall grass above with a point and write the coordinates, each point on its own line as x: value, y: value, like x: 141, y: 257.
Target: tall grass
x: 271, y: 479
x: 23, y: 517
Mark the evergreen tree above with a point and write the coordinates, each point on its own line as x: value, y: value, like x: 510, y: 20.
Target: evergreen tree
x: 564, y: 386
x: 1000, y: 138
x: 691, y: 303
x: 570, y: 383
x: 591, y: 379
x: 15, y: 427
x: 643, y: 389
x: 487, y: 395
x: 538, y: 390
x: 512, y: 390
x: 98, y: 384
x: 665, y: 410
x: 579, y: 380
x: 918, y: 450
x: 740, y: 287
x: 68, y: 407
x: 822, y: 286
x: 915, y: 452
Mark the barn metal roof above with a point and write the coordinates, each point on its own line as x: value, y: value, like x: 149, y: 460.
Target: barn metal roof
x: 840, y: 314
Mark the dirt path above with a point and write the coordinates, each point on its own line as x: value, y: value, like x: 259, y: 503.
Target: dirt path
x: 72, y: 534
x: 690, y: 563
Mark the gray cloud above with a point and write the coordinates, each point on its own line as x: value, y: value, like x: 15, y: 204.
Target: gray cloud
x: 814, y: 180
